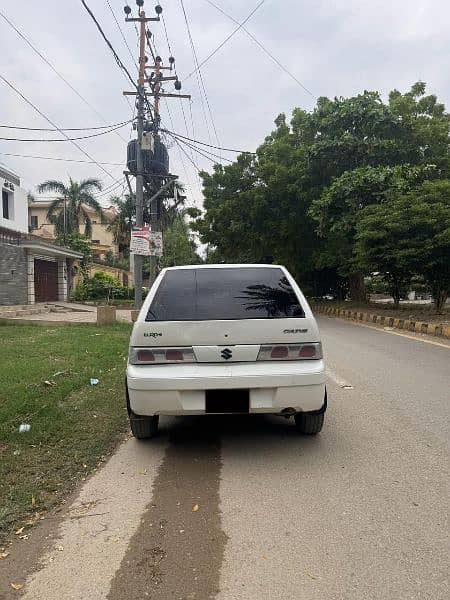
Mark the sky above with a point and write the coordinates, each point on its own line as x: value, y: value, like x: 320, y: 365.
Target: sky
x: 332, y: 47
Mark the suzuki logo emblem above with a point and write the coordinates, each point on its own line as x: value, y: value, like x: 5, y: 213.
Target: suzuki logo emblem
x: 226, y: 354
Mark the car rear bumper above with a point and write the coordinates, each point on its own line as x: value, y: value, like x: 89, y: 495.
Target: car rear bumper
x: 180, y: 389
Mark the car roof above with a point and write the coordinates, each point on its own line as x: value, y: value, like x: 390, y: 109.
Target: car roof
x: 225, y: 266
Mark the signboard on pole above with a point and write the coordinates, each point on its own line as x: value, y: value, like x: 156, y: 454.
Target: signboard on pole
x: 140, y: 241
x: 156, y: 243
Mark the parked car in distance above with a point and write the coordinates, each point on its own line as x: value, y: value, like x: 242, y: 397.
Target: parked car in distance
x: 218, y: 339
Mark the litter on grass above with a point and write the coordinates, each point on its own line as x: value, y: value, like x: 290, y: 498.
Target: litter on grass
x: 16, y: 586
x: 24, y: 427
x: 94, y: 381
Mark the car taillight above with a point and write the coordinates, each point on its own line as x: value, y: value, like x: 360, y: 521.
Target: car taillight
x: 291, y: 352
x: 175, y: 355
x: 144, y: 356
x: 279, y: 352
x: 307, y: 351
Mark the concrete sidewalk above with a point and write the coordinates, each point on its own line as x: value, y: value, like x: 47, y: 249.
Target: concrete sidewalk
x: 68, y: 312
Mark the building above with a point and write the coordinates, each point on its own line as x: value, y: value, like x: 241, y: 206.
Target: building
x: 31, y: 269
x: 102, y: 239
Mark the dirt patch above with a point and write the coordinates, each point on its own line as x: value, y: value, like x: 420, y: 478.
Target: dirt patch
x: 24, y: 555
x: 178, y: 549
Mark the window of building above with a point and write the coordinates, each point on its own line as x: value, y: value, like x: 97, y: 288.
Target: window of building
x: 34, y: 222
x: 5, y: 205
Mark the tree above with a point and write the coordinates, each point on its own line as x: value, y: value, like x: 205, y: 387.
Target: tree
x: 300, y: 197
x: 179, y: 247
x: 122, y: 222
x: 81, y: 244
x: 257, y: 207
x: 361, y: 151
x: 425, y: 126
x: 341, y: 204
x: 68, y: 211
x: 409, y: 235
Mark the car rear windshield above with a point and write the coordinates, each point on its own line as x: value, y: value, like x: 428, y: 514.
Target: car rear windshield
x: 224, y: 294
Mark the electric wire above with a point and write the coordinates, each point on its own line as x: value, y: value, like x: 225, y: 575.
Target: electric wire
x: 103, y: 192
x: 206, y: 153
x: 49, y: 64
x: 65, y: 128
x: 226, y: 39
x: 169, y: 47
x: 115, y: 55
x: 112, y: 189
x: 263, y: 48
x: 193, y: 133
x: 187, y: 155
x: 91, y: 162
x: 19, y: 93
x: 208, y: 145
x: 154, y: 53
x: 122, y: 34
x: 200, y: 76
x: 110, y: 46
x: 188, y: 181
x: 81, y: 137
x: 184, y: 117
x: 167, y: 38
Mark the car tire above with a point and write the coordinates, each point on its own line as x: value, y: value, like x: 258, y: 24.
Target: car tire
x: 309, y: 423
x: 143, y: 428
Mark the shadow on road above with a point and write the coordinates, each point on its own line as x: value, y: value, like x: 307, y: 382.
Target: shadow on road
x: 207, y: 426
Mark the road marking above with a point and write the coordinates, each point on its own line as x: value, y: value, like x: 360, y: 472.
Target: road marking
x: 338, y: 380
x: 405, y: 335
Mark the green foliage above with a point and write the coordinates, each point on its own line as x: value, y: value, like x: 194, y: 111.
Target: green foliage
x: 123, y: 221
x: 301, y: 197
x: 68, y: 211
x: 409, y: 234
x: 179, y: 247
x: 110, y: 258
x: 81, y: 244
x: 341, y: 204
x: 101, y: 286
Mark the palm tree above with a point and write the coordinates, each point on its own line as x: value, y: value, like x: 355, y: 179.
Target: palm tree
x: 68, y: 211
x: 161, y: 206
x: 122, y: 222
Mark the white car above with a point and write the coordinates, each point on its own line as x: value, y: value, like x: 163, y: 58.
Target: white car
x: 216, y: 339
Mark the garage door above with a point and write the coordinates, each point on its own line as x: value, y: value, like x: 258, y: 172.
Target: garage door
x: 45, y: 280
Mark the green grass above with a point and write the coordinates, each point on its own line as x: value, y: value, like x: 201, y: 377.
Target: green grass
x: 73, y: 424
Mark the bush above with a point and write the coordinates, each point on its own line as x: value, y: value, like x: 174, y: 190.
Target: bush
x: 102, y: 286
x: 79, y: 293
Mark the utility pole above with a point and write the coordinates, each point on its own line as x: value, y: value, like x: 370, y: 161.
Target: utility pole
x: 143, y: 175
x: 138, y: 259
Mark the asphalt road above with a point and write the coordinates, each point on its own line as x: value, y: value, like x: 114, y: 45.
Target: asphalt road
x: 246, y: 509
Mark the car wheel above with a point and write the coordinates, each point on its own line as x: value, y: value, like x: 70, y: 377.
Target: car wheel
x: 309, y: 423
x: 143, y: 428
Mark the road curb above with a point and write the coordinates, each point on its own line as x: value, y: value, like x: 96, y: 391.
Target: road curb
x: 437, y: 330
